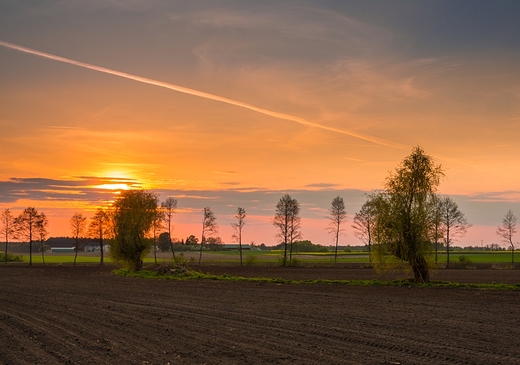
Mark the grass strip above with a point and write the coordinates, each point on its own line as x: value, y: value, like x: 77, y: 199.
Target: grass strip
x: 197, y: 275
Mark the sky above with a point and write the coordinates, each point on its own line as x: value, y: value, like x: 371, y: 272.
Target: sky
x: 235, y: 103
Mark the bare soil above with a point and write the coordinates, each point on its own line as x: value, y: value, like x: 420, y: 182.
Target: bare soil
x: 86, y: 315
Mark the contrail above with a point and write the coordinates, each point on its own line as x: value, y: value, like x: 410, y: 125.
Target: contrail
x: 205, y: 95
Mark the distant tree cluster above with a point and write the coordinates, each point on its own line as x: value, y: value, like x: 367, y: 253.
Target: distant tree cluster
x: 30, y: 226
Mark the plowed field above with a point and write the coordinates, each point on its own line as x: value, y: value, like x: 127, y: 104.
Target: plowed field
x: 85, y: 315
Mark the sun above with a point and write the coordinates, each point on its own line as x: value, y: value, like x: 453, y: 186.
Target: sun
x: 117, y: 181
x: 114, y: 186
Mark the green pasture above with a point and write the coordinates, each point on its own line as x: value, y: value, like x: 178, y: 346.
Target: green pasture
x: 493, y: 257
x: 273, y: 257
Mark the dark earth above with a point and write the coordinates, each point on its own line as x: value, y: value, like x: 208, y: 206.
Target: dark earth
x: 87, y: 315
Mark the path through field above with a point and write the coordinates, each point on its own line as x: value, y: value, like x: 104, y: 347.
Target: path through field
x: 85, y: 315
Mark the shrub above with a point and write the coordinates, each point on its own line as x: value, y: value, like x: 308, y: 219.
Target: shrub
x: 250, y: 260
x: 11, y: 257
x: 465, y: 262
x: 294, y: 262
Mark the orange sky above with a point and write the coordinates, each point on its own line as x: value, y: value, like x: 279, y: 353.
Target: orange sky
x: 357, y: 88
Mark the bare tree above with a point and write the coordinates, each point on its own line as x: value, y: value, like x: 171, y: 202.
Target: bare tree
x: 7, y: 228
x: 507, y: 231
x: 294, y: 229
x: 99, y: 228
x: 209, y: 227
x: 437, y: 229
x: 453, y: 222
x: 78, y: 226
x: 287, y: 220
x: 337, y: 216
x: 41, y: 232
x: 240, y: 216
x: 157, y: 226
x: 168, y: 208
x: 364, y: 224
x: 25, y: 225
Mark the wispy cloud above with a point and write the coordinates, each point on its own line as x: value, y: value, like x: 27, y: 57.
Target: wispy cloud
x: 205, y: 95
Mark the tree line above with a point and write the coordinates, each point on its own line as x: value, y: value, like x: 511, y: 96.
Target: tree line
x: 401, y: 223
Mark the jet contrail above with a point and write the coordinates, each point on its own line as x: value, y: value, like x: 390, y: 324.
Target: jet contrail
x: 205, y: 95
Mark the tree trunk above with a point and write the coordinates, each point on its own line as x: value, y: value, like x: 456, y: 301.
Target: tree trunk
x: 171, y: 246
x: 43, y: 254
x: 138, y: 264
x: 284, y: 253
x: 76, y: 252
x: 101, y: 252
x: 420, y: 270
x: 336, y: 250
x: 201, y: 244
x: 240, y: 247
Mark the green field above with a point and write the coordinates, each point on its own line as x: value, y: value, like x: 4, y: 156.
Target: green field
x: 273, y: 257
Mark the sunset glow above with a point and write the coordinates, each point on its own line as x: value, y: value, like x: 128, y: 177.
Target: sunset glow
x: 226, y: 104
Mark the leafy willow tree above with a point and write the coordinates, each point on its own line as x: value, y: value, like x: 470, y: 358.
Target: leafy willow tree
x: 403, y: 213
x: 453, y: 223
x: 364, y: 223
x: 241, y: 221
x: 7, y: 228
x: 133, y: 214
x: 168, y: 208
x: 41, y: 233
x: 78, y: 226
x: 287, y: 220
x: 507, y: 231
x: 99, y: 228
x: 337, y: 216
x: 26, y: 227
x: 209, y: 227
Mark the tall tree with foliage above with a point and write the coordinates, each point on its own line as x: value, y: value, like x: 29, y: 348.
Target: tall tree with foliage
x: 453, y: 223
x: 78, y: 227
x: 287, y: 221
x: 26, y: 227
x: 337, y: 216
x: 241, y: 221
x: 209, y: 228
x: 41, y: 233
x: 507, y: 231
x: 99, y: 228
x: 364, y: 223
x: 133, y: 214
x: 404, y: 212
x: 7, y: 228
x: 168, y: 209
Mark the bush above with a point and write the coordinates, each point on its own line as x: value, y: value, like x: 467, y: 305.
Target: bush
x: 464, y: 262
x: 250, y: 260
x: 10, y: 257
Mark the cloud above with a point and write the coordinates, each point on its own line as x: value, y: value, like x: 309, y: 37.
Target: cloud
x: 321, y: 185
x: 205, y: 95
x: 86, y: 188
